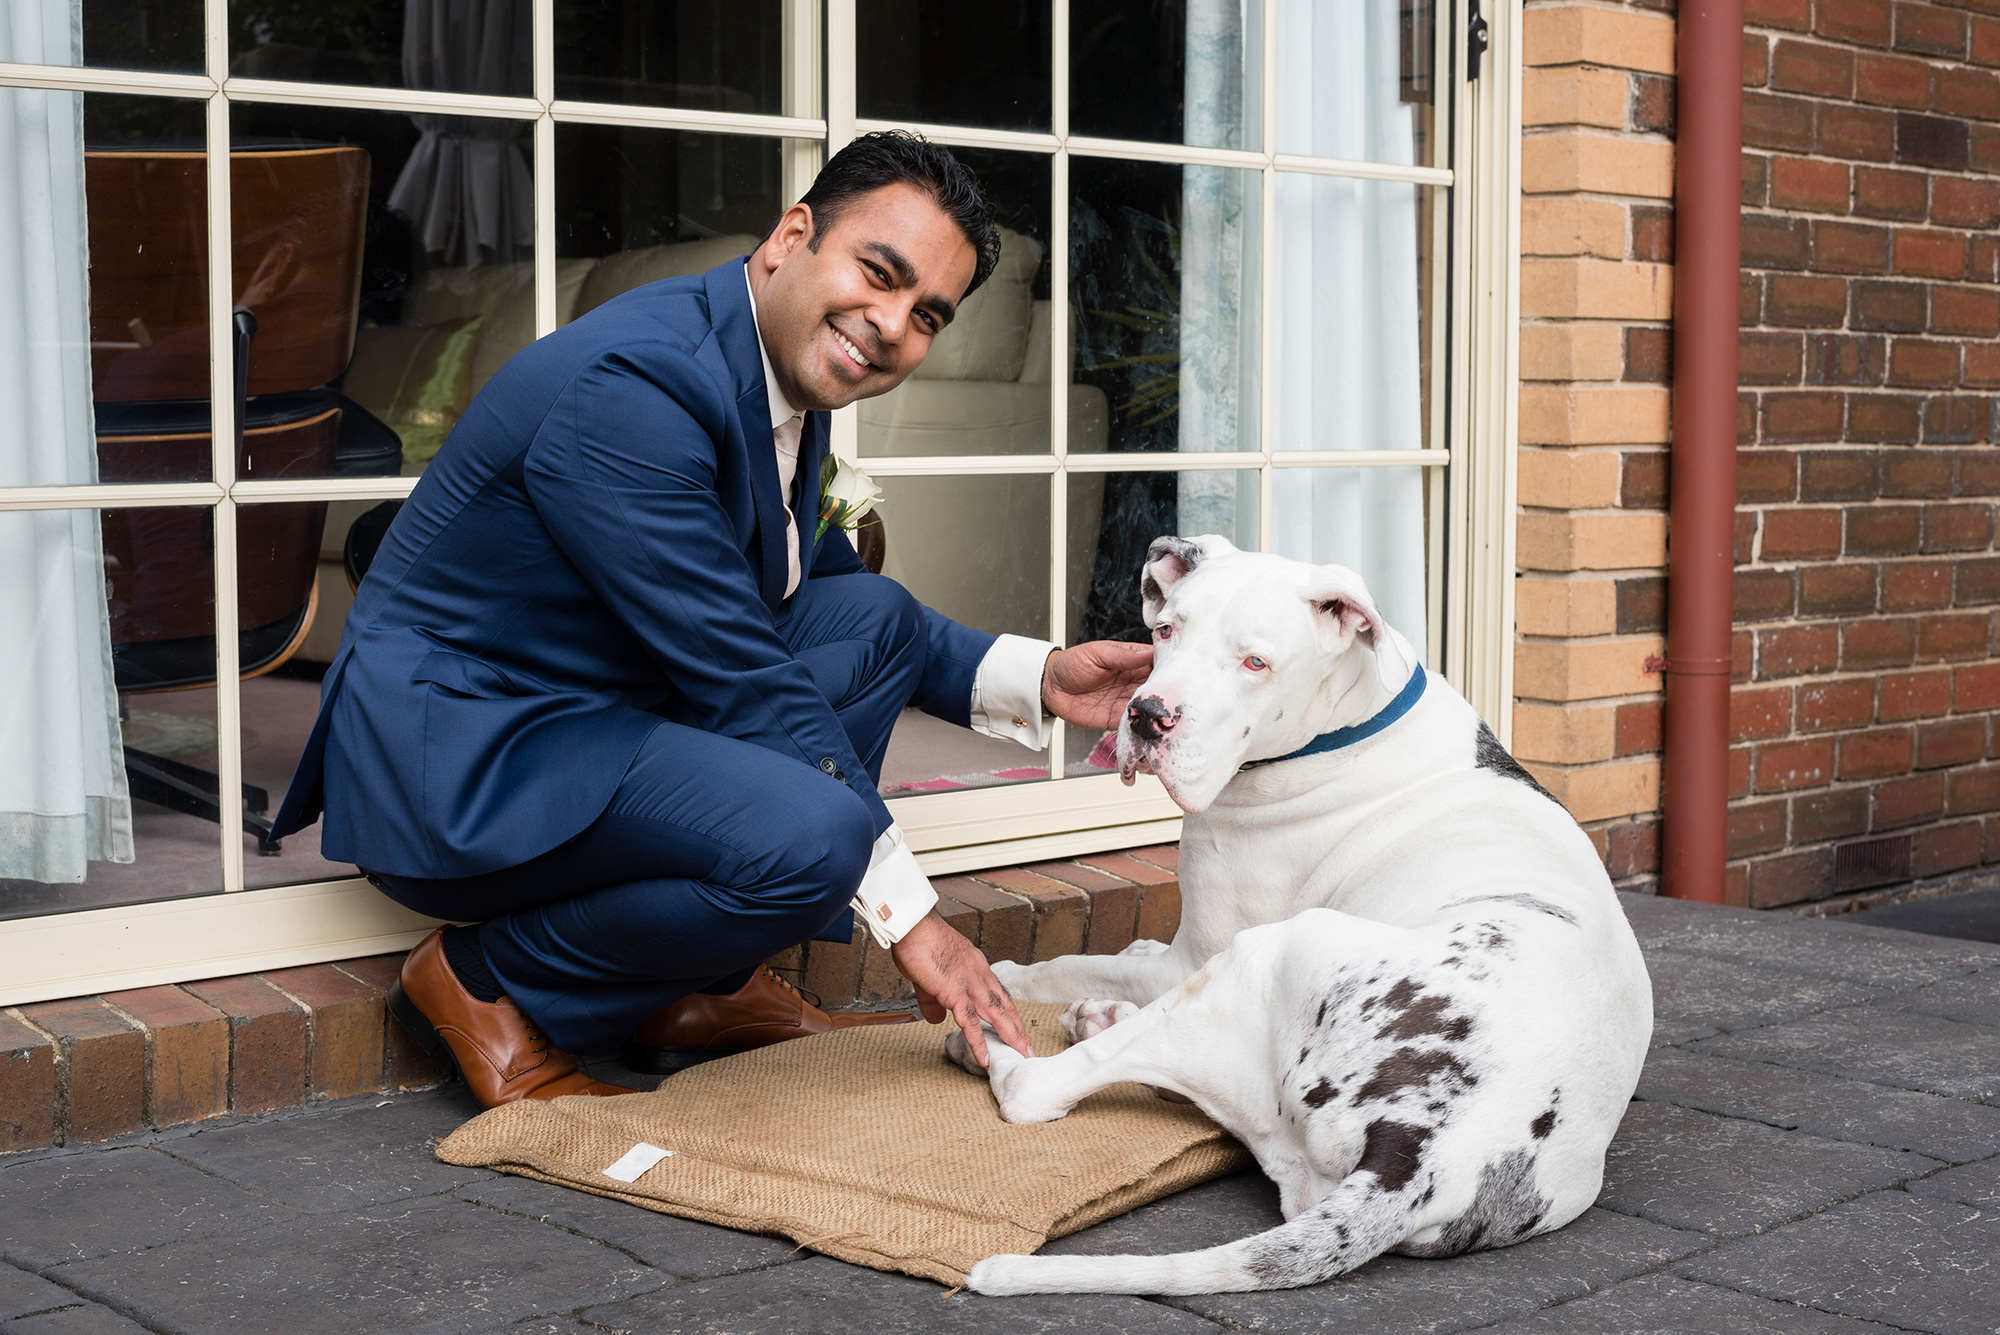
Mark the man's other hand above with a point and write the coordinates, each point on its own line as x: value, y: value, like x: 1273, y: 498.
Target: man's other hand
x: 951, y: 975
x: 1090, y: 685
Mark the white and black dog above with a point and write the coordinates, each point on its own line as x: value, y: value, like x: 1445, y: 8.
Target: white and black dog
x: 1401, y: 978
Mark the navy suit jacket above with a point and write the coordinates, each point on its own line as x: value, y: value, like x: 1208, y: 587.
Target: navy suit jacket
x: 599, y: 545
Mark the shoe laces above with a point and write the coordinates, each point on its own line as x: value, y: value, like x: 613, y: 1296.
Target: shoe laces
x: 811, y: 998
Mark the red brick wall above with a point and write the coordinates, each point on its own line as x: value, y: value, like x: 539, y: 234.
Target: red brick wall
x: 1866, y: 582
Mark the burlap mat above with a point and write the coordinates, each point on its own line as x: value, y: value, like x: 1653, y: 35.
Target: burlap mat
x: 866, y: 1145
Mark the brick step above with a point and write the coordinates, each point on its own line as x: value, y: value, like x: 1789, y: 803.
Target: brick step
x: 91, y: 1068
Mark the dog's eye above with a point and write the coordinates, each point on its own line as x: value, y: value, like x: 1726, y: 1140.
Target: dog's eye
x: 1255, y: 664
x: 1163, y: 631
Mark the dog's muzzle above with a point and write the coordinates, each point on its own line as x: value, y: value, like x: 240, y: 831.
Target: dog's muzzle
x: 1149, y: 718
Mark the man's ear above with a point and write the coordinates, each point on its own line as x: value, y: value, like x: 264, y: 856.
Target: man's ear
x: 1168, y: 561
x: 792, y: 233
x: 1346, y: 613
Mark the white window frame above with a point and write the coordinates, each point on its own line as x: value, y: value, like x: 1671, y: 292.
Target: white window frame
x: 1471, y: 557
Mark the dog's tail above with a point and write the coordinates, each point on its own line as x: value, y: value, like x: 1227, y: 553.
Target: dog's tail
x: 1356, y: 1222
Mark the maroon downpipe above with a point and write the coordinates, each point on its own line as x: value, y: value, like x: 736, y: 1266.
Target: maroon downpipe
x: 1702, y: 508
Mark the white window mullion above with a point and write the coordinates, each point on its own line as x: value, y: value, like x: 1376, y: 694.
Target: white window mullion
x: 545, y: 168
x: 845, y: 427
x: 222, y: 439
x: 801, y: 63
x: 1059, y: 628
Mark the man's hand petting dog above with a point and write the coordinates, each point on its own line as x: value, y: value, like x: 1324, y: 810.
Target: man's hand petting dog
x: 950, y: 975
x: 1090, y: 685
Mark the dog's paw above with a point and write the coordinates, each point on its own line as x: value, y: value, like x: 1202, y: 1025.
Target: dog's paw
x: 957, y: 1050
x: 1146, y: 948
x: 1088, y: 1019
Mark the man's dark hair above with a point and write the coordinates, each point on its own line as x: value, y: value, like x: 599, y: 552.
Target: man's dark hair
x: 897, y: 157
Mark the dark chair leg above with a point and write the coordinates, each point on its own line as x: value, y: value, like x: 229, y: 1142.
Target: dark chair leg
x: 196, y: 792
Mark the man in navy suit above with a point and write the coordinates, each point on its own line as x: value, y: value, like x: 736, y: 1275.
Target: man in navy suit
x: 609, y: 693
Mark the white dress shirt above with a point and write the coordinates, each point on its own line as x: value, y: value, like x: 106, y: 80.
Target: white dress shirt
x: 1006, y: 691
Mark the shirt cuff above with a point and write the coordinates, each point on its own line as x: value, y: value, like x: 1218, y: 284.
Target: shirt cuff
x: 895, y: 894
x: 1007, y: 692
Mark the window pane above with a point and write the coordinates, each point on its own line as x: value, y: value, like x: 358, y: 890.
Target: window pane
x: 112, y: 34
x: 1113, y: 518
x: 291, y: 597
x: 1376, y: 521
x: 712, y: 55
x: 977, y: 550
x: 431, y: 44
x: 634, y: 206
x: 389, y: 262
x: 984, y: 388
x: 107, y: 708
x: 146, y: 216
x: 945, y: 62
x: 1163, y: 263
x: 1355, y: 318
x: 1169, y: 71
x: 1357, y: 80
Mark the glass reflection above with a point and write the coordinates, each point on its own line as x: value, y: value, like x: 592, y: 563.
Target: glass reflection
x: 388, y: 260
x: 1168, y: 71
x: 441, y: 45
x: 976, y: 549
x: 943, y: 62
x: 107, y: 709
x: 1164, y: 287
x: 160, y: 35
x: 634, y: 206
x: 1113, y: 518
x: 1358, y: 80
x: 712, y: 55
x: 984, y: 388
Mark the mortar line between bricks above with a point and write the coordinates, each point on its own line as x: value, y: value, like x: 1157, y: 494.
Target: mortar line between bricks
x: 145, y: 1060
x: 1829, y: 1311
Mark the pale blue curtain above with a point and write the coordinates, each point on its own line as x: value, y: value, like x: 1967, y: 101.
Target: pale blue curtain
x: 63, y: 799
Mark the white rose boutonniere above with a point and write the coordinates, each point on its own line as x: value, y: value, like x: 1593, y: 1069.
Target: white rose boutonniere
x: 846, y: 495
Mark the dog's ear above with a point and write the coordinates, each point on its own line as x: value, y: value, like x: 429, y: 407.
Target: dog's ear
x: 1168, y: 561
x: 1346, y: 613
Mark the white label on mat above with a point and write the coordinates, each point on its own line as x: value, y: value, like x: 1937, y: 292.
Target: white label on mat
x: 637, y: 1161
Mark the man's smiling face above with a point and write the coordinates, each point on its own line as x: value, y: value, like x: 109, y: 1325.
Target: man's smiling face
x: 853, y: 318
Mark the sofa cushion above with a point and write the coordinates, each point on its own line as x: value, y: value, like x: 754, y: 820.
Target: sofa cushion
x: 988, y: 339
x: 627, y: 269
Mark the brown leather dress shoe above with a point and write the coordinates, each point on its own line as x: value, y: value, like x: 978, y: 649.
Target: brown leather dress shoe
x: 502, y: 1054
x: 763, y: 1011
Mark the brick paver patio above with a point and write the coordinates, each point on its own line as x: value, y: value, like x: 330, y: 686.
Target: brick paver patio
x: 1815, y: 1147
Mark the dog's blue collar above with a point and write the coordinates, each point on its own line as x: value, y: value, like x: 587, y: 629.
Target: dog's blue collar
x: 1405, y: 700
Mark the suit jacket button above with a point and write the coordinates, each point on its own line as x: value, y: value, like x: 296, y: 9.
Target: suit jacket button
x: 827, y: 766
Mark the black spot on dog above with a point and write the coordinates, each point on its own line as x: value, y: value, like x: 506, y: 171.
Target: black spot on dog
x: 1303, y: 1054
x: 1414, y: 1068
x: 1321, y: 1094
x: 1487, y: 753
x: 1393, y: 1151
x: 1544, y: 1124
x: 1425, y: 1015
x: 1504, y: 1209
x: 1319, y: 1021
x: 1522, y: 901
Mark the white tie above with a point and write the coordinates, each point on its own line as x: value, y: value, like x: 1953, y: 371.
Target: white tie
x: 786, y: 437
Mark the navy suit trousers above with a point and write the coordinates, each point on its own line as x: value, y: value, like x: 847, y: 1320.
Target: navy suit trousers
x: 714, y: 854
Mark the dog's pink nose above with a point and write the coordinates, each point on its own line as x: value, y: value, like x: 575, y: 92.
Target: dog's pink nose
x: 1150, y: 718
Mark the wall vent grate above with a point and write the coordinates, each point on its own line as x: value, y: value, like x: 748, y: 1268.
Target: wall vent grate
x: 1863, y: 864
